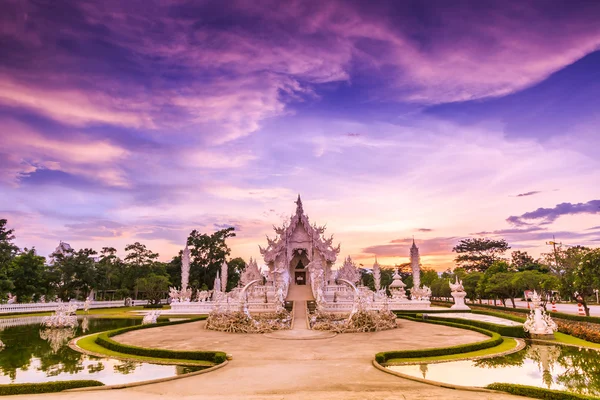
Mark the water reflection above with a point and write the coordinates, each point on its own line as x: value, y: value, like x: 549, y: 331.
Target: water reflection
x: 551, y: 366
x: 35, y: 354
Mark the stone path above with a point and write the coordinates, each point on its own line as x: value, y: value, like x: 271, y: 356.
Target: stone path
x: 300, y: 330
x: 266, y: 368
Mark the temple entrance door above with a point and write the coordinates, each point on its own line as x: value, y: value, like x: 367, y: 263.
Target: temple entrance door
x: 300, y: 277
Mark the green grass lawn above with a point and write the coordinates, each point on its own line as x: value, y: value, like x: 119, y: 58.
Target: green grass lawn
x: 88, y: 343
x: 506, y: 345
x: 568, y: 339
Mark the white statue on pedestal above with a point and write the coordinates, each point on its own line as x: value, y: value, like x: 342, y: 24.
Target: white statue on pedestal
x: 538, y: 322
x: 397, y: 287
x: 459, y: 294
x: 151, y: 317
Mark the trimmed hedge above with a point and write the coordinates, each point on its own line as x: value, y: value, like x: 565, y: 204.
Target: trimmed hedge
x: 512, y: 331
x: 45, y: 387
x: 538, y: 393
x: 495, y: 340
x: 104, y: 340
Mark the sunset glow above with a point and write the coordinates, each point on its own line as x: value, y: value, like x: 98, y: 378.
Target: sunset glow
x: 125, y: 121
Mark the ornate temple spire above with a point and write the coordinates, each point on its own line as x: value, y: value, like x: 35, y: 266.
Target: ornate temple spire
x: 185, y: 267
x: 299, y: 209
x: 376, y: 275
x: 415, y: 264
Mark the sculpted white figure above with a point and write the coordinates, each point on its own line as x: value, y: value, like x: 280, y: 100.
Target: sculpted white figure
x: 349, y: 271
x: 459, y: 294
x: 377, y: 275
x: 538, y: 322
x: 151, y: 317
x: 63, y: 317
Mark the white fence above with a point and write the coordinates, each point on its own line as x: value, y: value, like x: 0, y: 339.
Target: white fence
x: 45, y: 307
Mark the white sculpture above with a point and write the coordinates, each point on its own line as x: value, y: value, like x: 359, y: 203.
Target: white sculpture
x: 63, y: 317
x: 349, y: 271
x: 250, y: 273
x: 86, y: 305
x: 185, y: 267
x: 459, y: 294
x: 376, y: 275
x: 185, y: 294
x: 203, y: 295
x: 415, y: 261
x: 11, y: 299
x: 397, y: 287
x: 538, y: 322
x: 151, y: 317
x: 224, y: 273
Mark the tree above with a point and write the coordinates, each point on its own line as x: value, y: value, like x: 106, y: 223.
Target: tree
x: 505, y: 285
x: 477, y: 254
x: 497, y: 267
x: 470, y: 282
x: 580, y: 273
x: 522, y: 261
x: 139, y: 263
x: 207, y: 252
x: 235, y: 266
x: 27, y: 274
x: 542, y: 283
x: 7, y: 252
x: 74, y: 273
x: 109, y: 269
x: 428, y: 276
x: 154, y: 287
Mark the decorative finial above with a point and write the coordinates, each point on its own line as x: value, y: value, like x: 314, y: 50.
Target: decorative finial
x: 299, y: 209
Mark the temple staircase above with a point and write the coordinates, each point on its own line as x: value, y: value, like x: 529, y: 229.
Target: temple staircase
x: 299, y: 292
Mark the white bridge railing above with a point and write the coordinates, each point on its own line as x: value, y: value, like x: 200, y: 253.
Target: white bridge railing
x: 46, y: 307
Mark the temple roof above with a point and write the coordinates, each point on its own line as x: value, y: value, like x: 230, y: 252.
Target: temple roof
x: 315, y: 233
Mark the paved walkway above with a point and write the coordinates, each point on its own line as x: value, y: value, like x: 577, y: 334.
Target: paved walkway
x: 568, y: 308
x: 267, y: 368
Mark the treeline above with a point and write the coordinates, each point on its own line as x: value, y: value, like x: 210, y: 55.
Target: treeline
x: 73, y: 274
x: 568, y: 273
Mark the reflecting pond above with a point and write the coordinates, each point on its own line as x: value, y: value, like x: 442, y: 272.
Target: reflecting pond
x: 544, y: 365
x: 36, y: 354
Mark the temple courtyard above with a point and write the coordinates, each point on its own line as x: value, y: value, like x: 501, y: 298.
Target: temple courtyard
x: 264, y: 367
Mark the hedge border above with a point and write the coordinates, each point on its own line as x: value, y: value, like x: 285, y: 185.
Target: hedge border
x: 537, y: 392
x: 495, y: 340
x: 104, y: 340
x: 45, y: 387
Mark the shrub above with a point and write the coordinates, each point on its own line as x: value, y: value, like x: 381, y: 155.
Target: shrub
x: 581, y: 330
x: 104, y: 340
x: 537, y: 393
x: 495, y: 340
x: 45, y: 387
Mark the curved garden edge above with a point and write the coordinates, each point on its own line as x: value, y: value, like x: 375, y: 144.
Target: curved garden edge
x: 520, y: 346
x: 151, y: 381
x: 430, y: 382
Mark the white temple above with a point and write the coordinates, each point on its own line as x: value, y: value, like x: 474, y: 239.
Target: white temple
x: 300, y: 261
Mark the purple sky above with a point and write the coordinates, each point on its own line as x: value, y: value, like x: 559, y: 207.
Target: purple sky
x: 139, y: 120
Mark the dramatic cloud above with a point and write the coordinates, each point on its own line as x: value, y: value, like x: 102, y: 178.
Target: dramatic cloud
x: 528, y: 193
x: 548, y: 215
x: 142, y: 120
x: 401, y: 247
